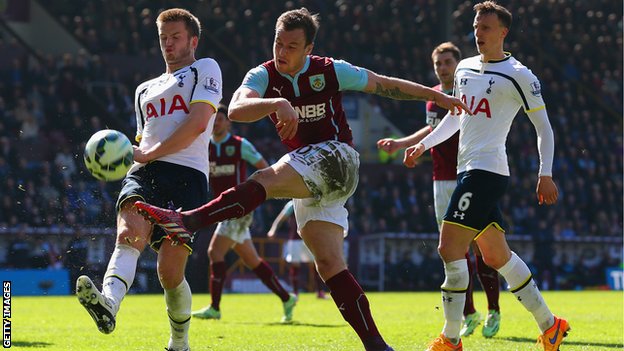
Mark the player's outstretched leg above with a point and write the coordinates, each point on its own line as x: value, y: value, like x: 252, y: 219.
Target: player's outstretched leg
x: 99, y: 307
x: 169, y: 220
x: 232, y: 203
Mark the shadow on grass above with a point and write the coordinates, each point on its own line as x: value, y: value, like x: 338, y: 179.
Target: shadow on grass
x: 567, y: 341
x: 37, y: 344
x: 315, y: 325
x: 293, y: 324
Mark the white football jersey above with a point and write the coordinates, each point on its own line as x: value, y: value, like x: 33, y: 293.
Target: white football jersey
x: 494, y: 92
x: 163, y: 103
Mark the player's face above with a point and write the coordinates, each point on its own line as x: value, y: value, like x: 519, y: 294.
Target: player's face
x: 290, y: 50
x: 444, y: 66
x: 221, y: 125
x: 176, y: 44
x: 489, y: 34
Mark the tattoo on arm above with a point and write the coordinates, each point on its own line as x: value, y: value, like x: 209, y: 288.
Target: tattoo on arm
x: 396, y: 93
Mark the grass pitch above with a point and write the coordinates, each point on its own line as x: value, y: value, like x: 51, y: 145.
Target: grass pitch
x: 408, y: 321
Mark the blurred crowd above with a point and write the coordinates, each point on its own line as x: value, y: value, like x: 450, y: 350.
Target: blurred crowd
x: 50, y: 105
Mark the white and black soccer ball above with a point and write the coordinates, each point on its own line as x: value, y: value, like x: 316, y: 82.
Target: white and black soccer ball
x: 108, y: 155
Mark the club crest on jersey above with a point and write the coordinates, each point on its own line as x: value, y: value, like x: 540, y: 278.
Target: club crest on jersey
x: 212, y: 85
x: 230, y: 150
x: 489, y: 90
x: 317, y: 82
x: 536, y: 88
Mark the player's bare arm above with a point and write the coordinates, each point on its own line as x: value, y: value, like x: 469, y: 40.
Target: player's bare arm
x: 390, y: 145
x: 196, y: 123
x: 401, y: 89
x: 281, y: 217
x: 248, y: 106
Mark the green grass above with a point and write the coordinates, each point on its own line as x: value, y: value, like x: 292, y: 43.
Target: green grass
x: 408, y: 321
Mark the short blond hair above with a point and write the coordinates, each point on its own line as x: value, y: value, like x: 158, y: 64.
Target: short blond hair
x: 181, y: 15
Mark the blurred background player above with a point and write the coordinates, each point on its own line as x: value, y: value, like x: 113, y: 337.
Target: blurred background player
x: 229, y: 155
x: 295, y: 250
x: 445, y: 58
x: 302, y: 93
x: 171, y: 169
x: 496, y: 86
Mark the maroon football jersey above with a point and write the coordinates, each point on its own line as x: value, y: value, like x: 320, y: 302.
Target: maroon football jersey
x: 318, y: 104
x: 227, y: 167
x: 444, y: 155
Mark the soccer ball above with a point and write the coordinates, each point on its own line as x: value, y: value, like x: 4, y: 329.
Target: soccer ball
x: 108, y: 155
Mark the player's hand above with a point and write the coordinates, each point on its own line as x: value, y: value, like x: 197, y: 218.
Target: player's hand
x: 547, y: 192
x: 388, y: 145
x: 287, y: 120
x: 412, y: 153
x: 453, y: 104
x: 140, y: 155
x: 271, y: 233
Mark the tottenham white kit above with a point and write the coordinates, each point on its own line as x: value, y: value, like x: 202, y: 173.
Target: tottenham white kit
x: 494, y: 91
x: 163, y: 103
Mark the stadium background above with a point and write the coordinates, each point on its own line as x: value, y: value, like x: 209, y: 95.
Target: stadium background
x: 69, y: 68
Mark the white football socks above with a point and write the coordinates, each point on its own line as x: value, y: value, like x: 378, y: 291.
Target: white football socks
x: 454, y: 297
x: 178, y: 302
x: 521, y: 284
x: 120, y: 273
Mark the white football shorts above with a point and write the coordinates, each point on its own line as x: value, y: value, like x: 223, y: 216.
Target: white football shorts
x: 236, y: 229
x: 330, y: 169
x: 442, y: 192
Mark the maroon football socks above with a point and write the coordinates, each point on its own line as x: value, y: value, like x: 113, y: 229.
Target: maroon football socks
x: 488, y: 277
x: 353, y: 305
x: 217, y: 279
x: 232, y: 203
x: 469, y: 305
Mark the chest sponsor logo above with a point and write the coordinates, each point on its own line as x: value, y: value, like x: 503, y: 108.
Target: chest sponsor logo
x: 230, y: 150
x: 163, y: 107
x: 221, y: 170
x: 317, y: 82
x: 432, y: 119
x: 311, y: 113
x: 483, y: 106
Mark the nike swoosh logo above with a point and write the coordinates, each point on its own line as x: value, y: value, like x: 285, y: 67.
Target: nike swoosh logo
x: 554, y: 338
